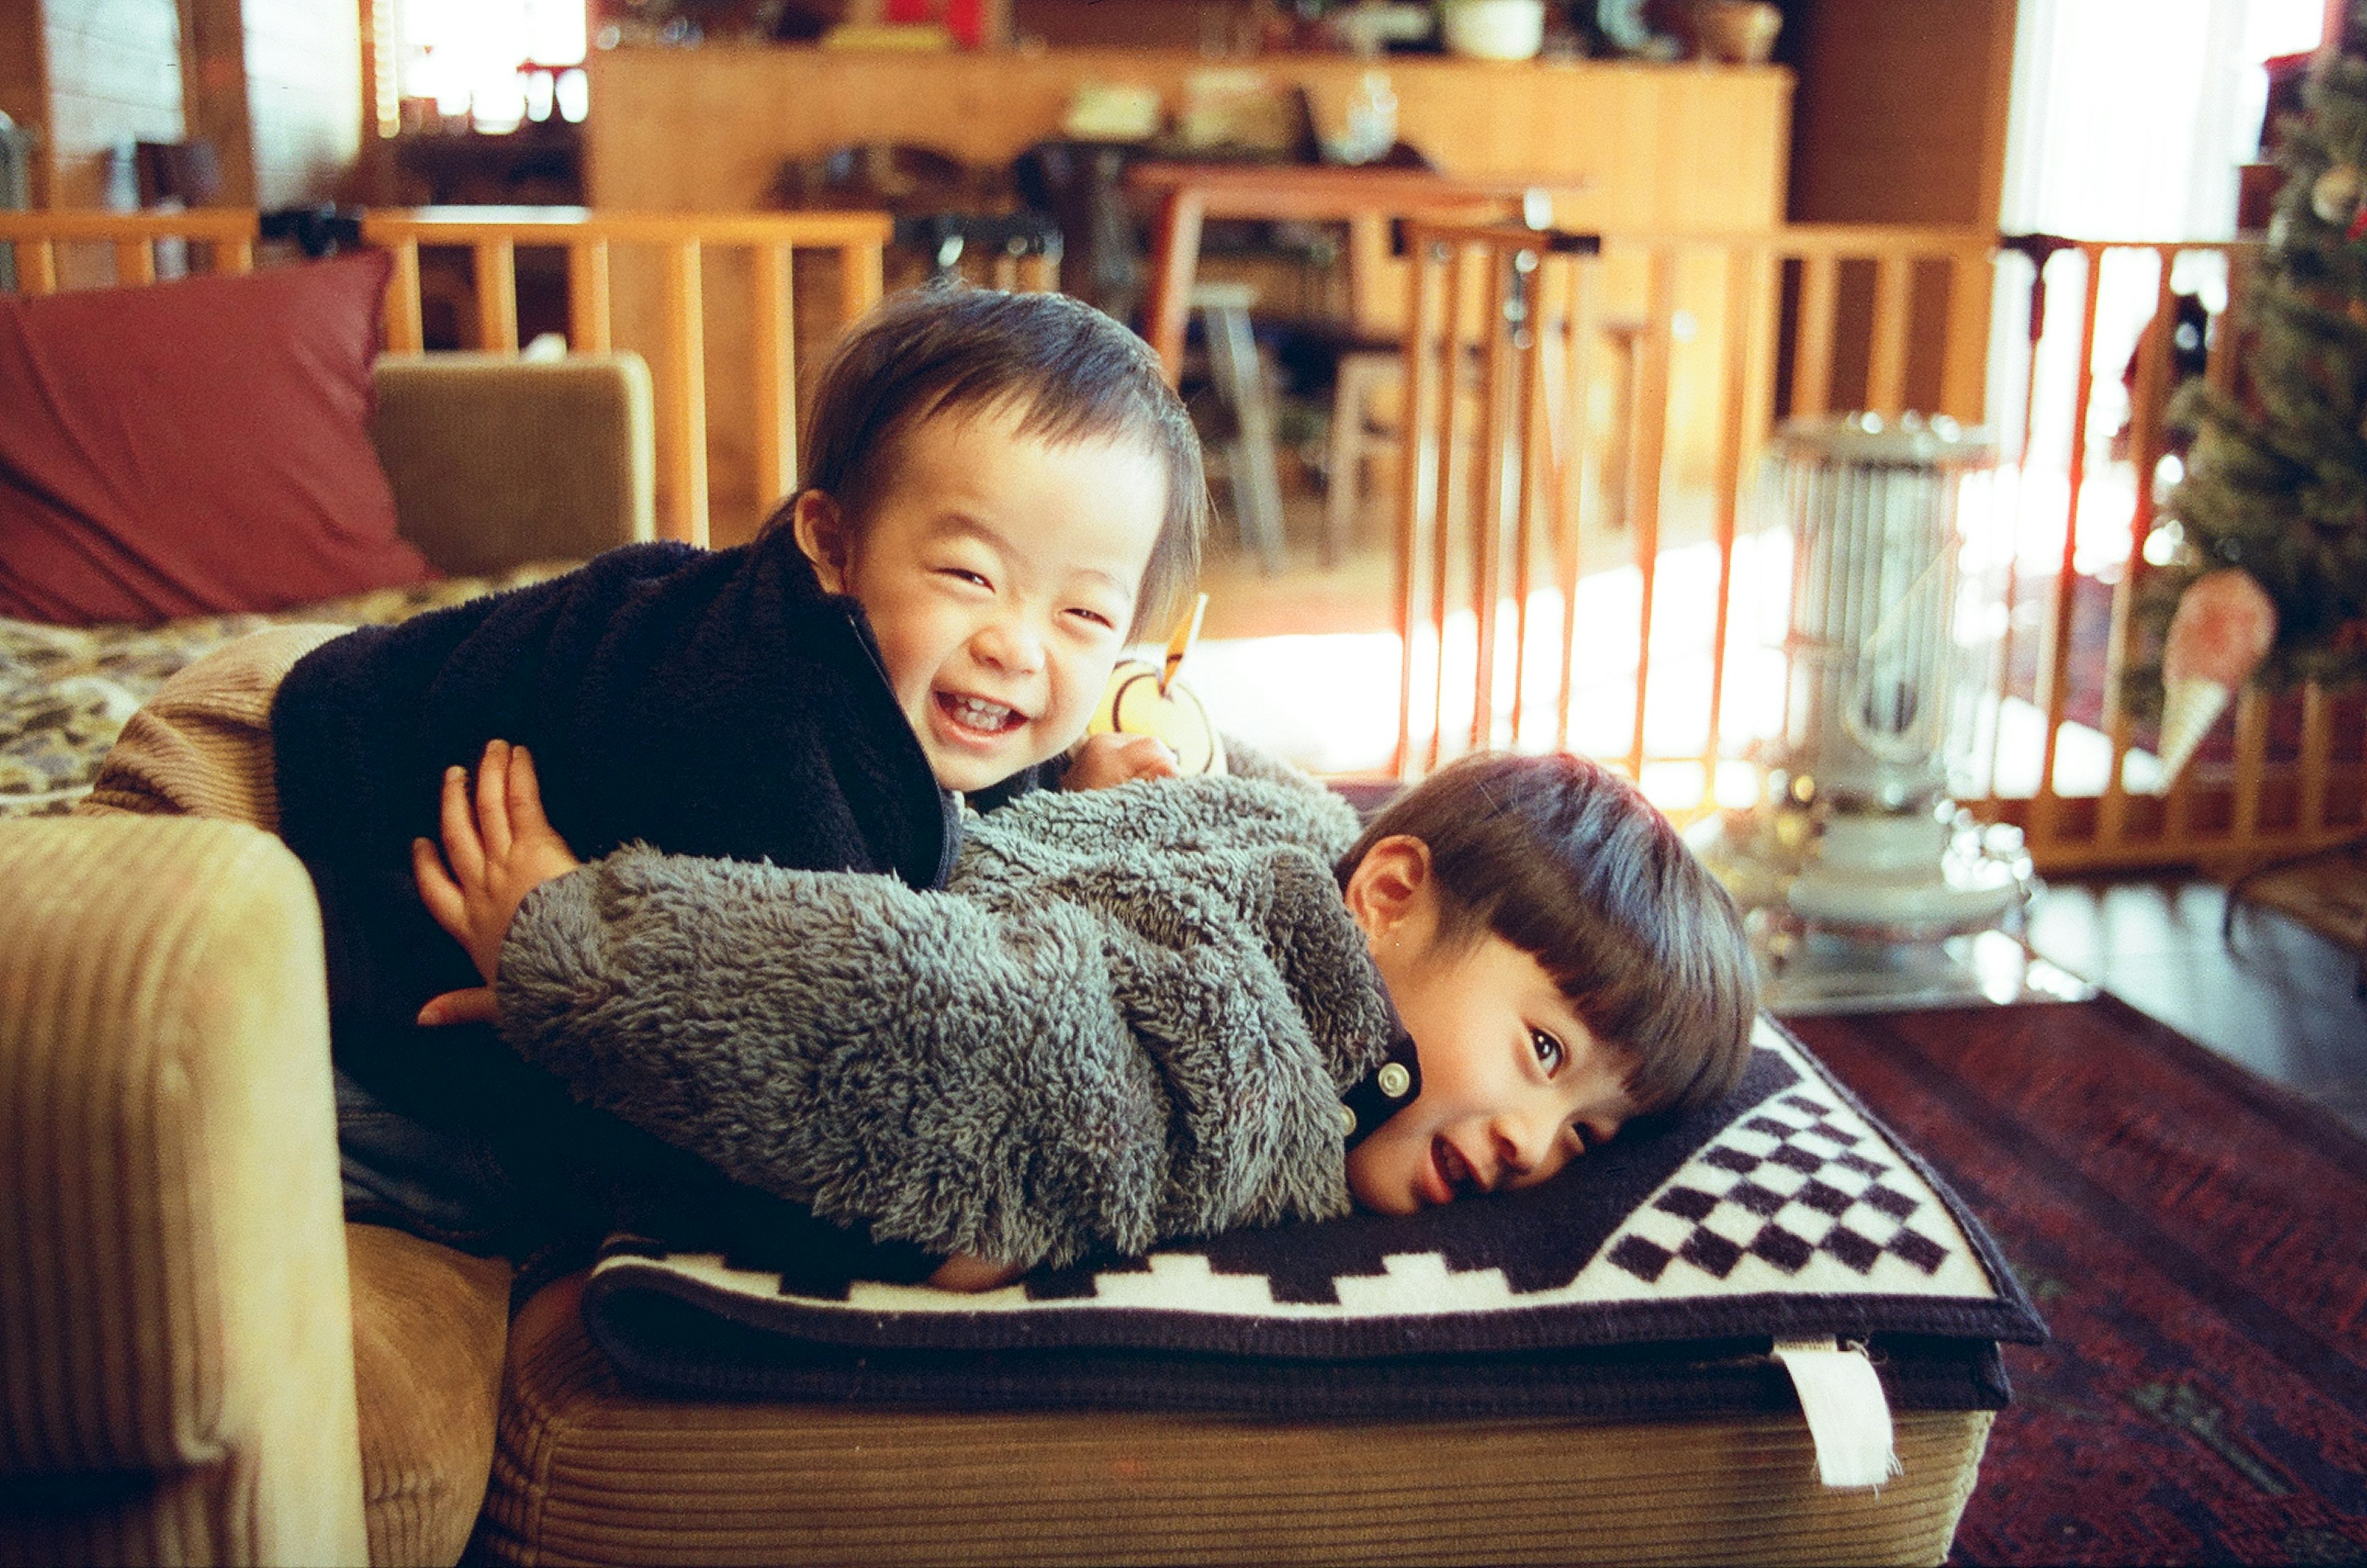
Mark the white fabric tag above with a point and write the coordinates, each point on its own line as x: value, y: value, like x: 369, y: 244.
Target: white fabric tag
x: 1849, y: 1420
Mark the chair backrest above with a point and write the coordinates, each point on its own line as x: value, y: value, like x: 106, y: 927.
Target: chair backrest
x: 948, y: 212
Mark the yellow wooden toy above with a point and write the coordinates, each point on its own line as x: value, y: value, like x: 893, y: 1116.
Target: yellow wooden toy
x: 1147, y: 699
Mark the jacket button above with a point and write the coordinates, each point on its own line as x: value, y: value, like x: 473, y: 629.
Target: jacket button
x: 1347, y: 1121
x: 1395, y: 1080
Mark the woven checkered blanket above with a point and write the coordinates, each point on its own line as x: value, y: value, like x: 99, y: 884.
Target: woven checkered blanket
x: 1650, y: 1280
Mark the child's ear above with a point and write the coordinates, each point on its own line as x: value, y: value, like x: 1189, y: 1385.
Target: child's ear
x: 1388, y: 884
x: 822, y: 533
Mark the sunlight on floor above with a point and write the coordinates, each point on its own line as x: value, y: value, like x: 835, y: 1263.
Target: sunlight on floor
x: 1327, y: 701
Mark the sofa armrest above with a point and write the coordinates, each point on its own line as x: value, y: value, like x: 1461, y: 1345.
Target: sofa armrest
x: 497, y: 460
x: 177, y: 1372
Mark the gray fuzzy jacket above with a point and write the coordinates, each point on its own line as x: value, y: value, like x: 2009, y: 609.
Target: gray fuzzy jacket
x: 1129, y: 1016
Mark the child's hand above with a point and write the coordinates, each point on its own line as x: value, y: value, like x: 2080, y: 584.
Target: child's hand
x: 1111, y: 759
x: 497, y: 855
x: 969, y: 1273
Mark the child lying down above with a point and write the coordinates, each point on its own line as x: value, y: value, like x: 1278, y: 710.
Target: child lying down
x: 1133, y: 1013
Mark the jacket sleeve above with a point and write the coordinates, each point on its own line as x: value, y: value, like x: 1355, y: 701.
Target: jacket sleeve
x: 1029, y: 1083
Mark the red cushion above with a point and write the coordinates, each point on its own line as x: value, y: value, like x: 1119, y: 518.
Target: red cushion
x: 188, y: 448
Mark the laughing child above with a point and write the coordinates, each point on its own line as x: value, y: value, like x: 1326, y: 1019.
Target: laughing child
x: 1148, y: 1013
x: 1000, y: 491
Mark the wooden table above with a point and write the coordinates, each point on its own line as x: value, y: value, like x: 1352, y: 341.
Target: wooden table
x: 1190, y: 193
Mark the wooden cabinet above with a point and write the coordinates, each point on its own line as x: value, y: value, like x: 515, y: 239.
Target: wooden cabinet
x: 1682, y: 148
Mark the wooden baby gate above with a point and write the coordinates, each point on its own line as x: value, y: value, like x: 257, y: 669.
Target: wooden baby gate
x: 662, y: 309
x: 1622, y: 390
x: 1582, y: 548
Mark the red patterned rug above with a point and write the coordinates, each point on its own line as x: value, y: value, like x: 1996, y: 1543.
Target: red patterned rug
x: 2197, y: 1239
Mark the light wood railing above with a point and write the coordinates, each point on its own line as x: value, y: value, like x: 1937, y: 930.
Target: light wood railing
x: 1563, y: 334
x: 2291, y: 778
x: 1544, y: 544
x: 1591, y: 394
x: 69, y: 249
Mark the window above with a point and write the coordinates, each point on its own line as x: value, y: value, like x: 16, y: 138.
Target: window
x: 496, y: 64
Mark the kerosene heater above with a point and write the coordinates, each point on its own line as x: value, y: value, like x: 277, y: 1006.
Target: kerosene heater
x: 1854, y: 836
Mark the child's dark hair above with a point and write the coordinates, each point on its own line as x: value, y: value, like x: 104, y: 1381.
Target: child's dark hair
x: 1568, y: 862
x: 1073, y: 373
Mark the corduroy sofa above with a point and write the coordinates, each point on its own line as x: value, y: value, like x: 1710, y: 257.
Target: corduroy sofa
x: 182, y: 1310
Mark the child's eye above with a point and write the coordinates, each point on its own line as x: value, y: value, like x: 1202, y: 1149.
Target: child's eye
x: 962, y: 574
x: 1095, y: 617
x: 1548, y: 1049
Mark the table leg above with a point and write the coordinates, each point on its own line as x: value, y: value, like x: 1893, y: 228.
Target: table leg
x: 1175, y: 257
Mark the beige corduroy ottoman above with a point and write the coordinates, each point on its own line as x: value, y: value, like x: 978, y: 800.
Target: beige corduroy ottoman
x: 588, y: 1473
x: 1612, y: 1366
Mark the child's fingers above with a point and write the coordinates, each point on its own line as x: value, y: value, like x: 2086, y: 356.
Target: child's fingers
x: 462, y: 847
x: 526, y: 817
x: 475, y: 1004
x: 438, y: 890
x: 493, y: 799
x: 968, y: 1271
x: 1157, y: 760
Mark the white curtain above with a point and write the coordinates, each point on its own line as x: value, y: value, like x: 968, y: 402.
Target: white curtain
x: 2128, y: 121
x: 2129, y: 117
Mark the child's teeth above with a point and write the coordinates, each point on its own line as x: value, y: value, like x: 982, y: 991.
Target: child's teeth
x: 981, y: 715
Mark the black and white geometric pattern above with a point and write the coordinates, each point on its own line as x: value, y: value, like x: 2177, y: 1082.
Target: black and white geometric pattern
x: 1800, y: 1193
x: 1786, y: 1211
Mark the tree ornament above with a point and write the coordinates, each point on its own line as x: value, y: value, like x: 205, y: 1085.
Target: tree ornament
x: 2221, y: 630
x: 2335, y: 195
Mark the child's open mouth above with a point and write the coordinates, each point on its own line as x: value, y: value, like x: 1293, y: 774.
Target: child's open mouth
x: 1454, y: 1172
x: 976, y: 716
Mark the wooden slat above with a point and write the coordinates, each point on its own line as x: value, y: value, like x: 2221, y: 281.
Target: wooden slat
x: 1812, y: 357
x: 683, y: 396
x: 773, y: 341
x: 234, y: 255
x: 1886, y: 366
x: 2251, y: 757
x: 1535, y: 444
x: 2219, y: 369
x: 1487, y: 517
x: 135, y: 262
x: 1449, y: 373
x: 1651, y: 453
x: 1964, y: 370
x: 1745, y: 270
x: 2016, y: 504
x: 568, y: 225
x: 75, y: 223
x: 2075, y: 857
x: 1412, y: 468
x: 590, y: 312
x: 496, y: 280
x: 2055, y: 663
x: 2316, y: 757
x: 1761, y: 336
x: 406, y: 330
x: 37, y: 267
x: 2150, y: 392
x: 861, y: 277
x: 1581, y: 324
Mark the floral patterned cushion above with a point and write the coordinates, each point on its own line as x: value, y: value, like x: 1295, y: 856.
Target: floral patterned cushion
x: 65, y: 692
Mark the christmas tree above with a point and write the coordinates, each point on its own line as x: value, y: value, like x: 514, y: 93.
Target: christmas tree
x: 2270, y: 568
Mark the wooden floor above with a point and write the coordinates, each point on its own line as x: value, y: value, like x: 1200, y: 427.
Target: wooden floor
x: 2278, y: 998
